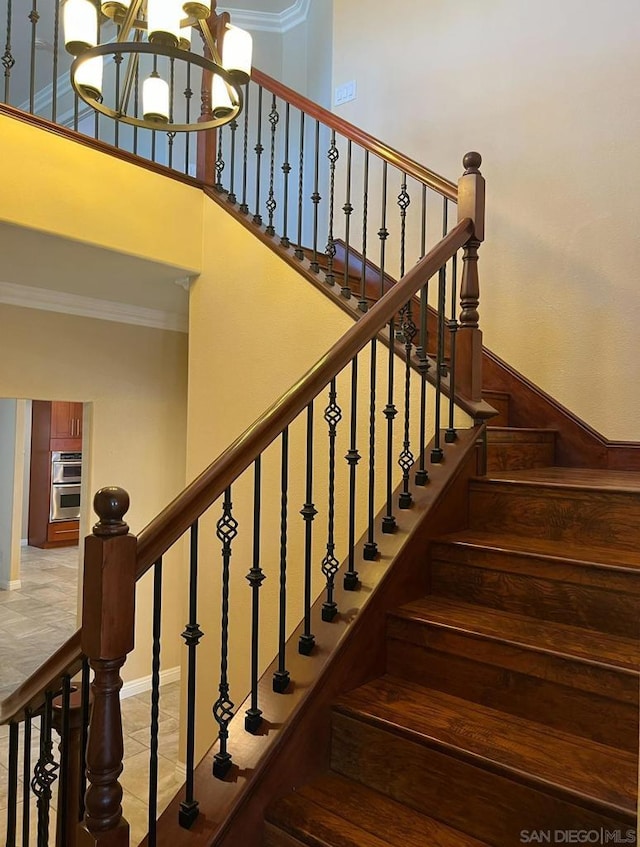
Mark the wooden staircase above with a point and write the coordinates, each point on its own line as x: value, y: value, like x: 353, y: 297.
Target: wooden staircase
x: 508, y: 712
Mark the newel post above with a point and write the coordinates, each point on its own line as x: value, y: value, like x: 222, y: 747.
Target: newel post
x: 471, y: 194
x: 108, y: 607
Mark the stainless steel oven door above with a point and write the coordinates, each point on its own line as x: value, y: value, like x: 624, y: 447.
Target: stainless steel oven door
x: 65, y: 502
x: 66, y: 467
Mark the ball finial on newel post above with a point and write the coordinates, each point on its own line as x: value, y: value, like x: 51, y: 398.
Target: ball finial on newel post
x: 111, y: 505
x: 472, y: 162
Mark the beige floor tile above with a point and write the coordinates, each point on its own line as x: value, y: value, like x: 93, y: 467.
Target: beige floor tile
x: 135, y: 778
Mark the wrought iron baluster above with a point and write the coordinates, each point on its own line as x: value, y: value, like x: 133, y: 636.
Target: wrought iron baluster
x: 255, y: 577
x: 451, y: 435
x: 422, y: 474
x: 34, y: 17
x: 64, y: 824
x: 189, y: 807
x: 45, y: 773
x: 281, y: 676
x: 86, y: 706
x: 172, y: 87
x: 220, y: 163
x: 117, y: 60
x: 299, y: 251
x: 233, y: 129
x: 406, y: 458
x: 259, y: 149
x: 226, y: 531
x: 12, y: 785
x: 423, y: 223
x: 363, y: 303
x: 8, y: 60
x: 244, y: 206
x: 404, y: 201
x: 330, y: 565
x: 389, y: 524
x: 188, y: 94
x: 26, y: 776
x: 383, y: 232
x: 333, y: 155
x: 56, y: 47
x: 307, y: 640
x: 271, y: 204
x: 155, y: 702
x: 370, y: 550
x: 351, y: 581
x: 315, y: 198
x: 437, y: 453
x: 136, y: 101
x: 348, y: 210
x: 286, y: 170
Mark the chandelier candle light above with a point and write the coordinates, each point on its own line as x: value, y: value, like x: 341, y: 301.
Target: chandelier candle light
x: 155, y: 37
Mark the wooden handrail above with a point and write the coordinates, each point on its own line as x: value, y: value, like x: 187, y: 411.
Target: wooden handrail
x: 409, y: 166
x: 66, y: 660
x: 170, y: 524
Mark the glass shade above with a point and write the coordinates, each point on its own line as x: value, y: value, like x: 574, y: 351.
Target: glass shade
x: 80, y: 21
x: 163, y: 21
x: 221, y: 104
x: 155, y: 99
x: 200, y: 10
x: 237, y: 48
x: 89, y: 77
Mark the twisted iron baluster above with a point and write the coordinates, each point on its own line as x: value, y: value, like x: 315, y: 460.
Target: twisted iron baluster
x: 351, y: 581
x: 281, y: 676
x: 226, y: 531
x: 86, y: 705
x: 422, y: 351
x: 172, y: 86
x: 330, y: 565
x: 451, y: 435
x: 299, y: 252
x: 315, y: 199
x: 286, y: 170
x: 347, y: 209
x: 308, y: 512
x: 406, y: 458
x: 188, y: 94
x: 259, y: 149
x: 370, y: 550
x: 244, y: 206
x: 189, y: 807
x: 56, y: 45
x: 255, y: 577
x: 45, y: 773
x: 155, y: 702
x: 34, y: 17
x: 220, y: 163
x: 7, y: 58
x: 363, y: 304
x: 233, y: 128
x: 437, y: 453
x: 271, y: 204
x: 333, y: 155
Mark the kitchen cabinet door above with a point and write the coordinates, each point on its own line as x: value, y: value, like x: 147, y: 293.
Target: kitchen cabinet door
x: 66, y: 419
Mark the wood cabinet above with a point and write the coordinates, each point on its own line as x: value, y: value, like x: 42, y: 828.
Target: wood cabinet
x: 55, y: 425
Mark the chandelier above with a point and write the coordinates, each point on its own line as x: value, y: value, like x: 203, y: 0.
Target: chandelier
x: 142, y: 70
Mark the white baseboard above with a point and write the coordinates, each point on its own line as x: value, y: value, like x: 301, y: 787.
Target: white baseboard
x: 12, y: 585
x: 181, y: 772
x: 24, y: 542
x: 143, y: 683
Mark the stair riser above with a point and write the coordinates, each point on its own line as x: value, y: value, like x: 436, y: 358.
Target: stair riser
x: 518, y: 456
x: 568, y: 695
x: 548, y: 599
x: 274, y: 837
x: 573, y: 515
x: 483, y: 803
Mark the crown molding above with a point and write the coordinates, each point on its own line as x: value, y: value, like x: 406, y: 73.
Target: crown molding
x: 30, y: 297
x: 270, y: 21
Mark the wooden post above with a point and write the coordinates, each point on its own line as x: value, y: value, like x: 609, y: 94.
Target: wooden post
x: 108, y: 609
x: 471, y: 202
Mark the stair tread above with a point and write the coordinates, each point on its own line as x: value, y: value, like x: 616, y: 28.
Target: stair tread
x: 550, y: 548
x: 591, y: 773
x: 580, y: 478
x: 340, y: 812
x: 560, y: 639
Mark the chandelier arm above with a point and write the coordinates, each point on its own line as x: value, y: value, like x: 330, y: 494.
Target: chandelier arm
x: 210, y: 43
x: 129, y: 20
x: 132, y: 67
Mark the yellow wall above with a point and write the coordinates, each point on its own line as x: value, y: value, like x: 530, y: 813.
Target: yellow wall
x: 544, y: 91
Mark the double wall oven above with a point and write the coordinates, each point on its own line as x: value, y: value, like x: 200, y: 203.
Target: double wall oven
x: 66, y: 476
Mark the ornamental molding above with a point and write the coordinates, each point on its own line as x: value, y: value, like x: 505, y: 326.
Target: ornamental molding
x: 30, y: 297
x: 279, y: 22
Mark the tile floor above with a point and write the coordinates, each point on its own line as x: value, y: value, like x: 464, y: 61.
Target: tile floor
x: 34, y: 621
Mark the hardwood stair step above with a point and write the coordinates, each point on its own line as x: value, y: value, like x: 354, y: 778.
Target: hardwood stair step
x: 528, y: 670
x: 336, y: 811
x: 567, y: 767
x: 588, y: 507
x: 511, y: 448
x: 555, y: 589
x: 603, y: 649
